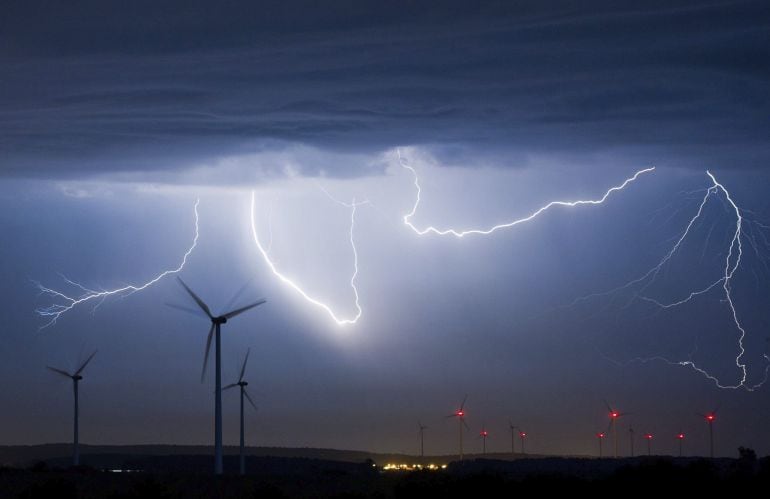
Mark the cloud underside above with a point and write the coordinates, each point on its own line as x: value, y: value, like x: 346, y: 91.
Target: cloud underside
x: 685, y: 86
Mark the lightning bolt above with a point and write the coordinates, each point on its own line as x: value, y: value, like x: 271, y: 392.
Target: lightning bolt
x: 296, y: 287
x: 731, y: 265
x: 55, y: 311
x: 468, y: 232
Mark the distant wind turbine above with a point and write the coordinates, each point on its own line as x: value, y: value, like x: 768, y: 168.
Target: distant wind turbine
x: 513, y: 429
x: 75, y: 377
x: 710, y: 417
x: 614, y: 415
x: 484, y: 434
x: 422, y: 438
x: 242, y: 384
x: 216, y: 323
x: 460, y: 415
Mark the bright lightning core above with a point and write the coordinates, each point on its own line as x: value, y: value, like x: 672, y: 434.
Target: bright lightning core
x: 68, y: 302
x: 265, y: 253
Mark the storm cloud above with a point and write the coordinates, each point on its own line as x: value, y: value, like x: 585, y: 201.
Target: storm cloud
x: 164, y: 89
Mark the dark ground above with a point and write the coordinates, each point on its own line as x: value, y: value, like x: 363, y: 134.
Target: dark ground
x: 273, y: 477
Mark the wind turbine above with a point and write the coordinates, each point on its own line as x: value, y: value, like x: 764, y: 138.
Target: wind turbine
x: 680, y: 437
x: 460, y: 415
x: 422, y: 438
x: 484, y: 434
x: 216, y: 323
x: 75, y: 377
x: 522, y: 436
x: 648, y: 437
x: 710, y: 417
x: 242, y: 384
x: 513, y: 428
x: 600, y: 438
x: 614, y: 415
x: 631, y: 439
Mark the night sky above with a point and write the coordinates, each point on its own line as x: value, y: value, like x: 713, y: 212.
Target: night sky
x: 115, y: 119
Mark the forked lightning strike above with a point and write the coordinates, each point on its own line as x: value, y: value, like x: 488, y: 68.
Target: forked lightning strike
x: 89, y: 295
x: 731, y: 266
x: 467, y: 232
x: 296, y: 287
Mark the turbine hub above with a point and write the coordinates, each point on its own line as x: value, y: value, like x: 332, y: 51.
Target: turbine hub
x: 219, y: 320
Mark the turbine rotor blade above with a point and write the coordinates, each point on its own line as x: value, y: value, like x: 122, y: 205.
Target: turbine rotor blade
x: 238, y: 311
x: 206, y: 355
x: 248, y: 397
x: 197, y: 299
x: 83, y: 366
x: 238, y: 294
x: 243, y: 367
x: 231, y: 385
x: 59, y: 371
x: 462, y: 406
x: 465, y: 424
x: 609, y: 409
x: 189, y: 310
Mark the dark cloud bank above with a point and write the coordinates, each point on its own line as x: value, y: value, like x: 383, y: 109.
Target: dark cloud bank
x: 91, y: 88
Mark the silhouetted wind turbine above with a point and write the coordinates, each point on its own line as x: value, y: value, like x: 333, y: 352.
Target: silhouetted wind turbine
x: 422, y: 438
x: 680, y: 437
x: 631, y: 439
x: 460, y: 415
x: 75, y: 377
x: 600, y: 437
x: 513, y: 439
x: 648, y: 437
x: 614, y: 415
x: 710, y: 418
x: 484, y: 434
x: 216, y: 323
x: 242, y: 384
x: 522, y: 436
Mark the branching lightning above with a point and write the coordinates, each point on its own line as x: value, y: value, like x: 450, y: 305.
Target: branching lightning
x: 55, y: 311
x: 467, y: 232
x: 296, y: 287
x: 732, y: 263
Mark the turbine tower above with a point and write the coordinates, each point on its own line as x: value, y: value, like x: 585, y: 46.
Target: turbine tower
x: 631, y: 439
x: 710, y: 418
x: 522, y: 436
x: 215, y: 331
x: 460, y: 415
x: 422, y: 438
x: 75, y: 377
x: 614, y: 415
x: 243, y: 384
x: 484, y: 434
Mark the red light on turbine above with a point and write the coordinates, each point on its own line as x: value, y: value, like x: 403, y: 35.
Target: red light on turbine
x: 648, y: 436
x: 614, y: 414
x: 710, y: 417
x: 460, y: 413
x: 600, y: 435
x: 522, y: 434
x: 484, y: 434
x: 680, y: 436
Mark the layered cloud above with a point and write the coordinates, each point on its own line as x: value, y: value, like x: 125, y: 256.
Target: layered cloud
x: 149, y: 93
